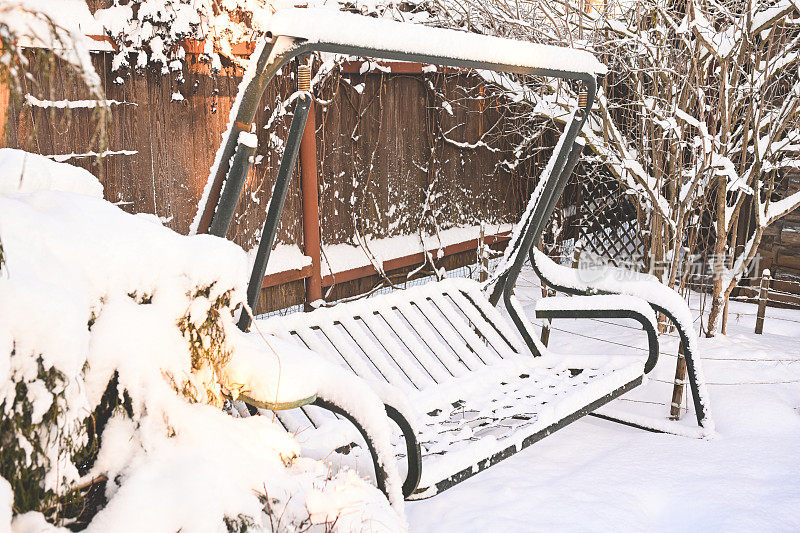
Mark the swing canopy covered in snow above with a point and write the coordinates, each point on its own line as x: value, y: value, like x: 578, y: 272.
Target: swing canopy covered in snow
x: 466, y: 384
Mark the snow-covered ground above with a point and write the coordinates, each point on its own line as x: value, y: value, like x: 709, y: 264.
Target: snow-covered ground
x: 595, y: 475
x: 72, y: 259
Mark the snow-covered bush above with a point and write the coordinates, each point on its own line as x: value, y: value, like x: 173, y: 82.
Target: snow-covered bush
x: 26, y: 23
x: 115, y: 339
x: 153, y: 32
x: 40, y: 28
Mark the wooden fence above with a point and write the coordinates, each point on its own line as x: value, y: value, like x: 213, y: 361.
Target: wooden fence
x: 384, y: 168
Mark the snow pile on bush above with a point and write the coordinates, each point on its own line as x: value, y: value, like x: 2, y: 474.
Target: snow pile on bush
x: 116, y: 346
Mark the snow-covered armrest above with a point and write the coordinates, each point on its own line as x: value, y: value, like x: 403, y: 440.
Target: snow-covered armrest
x: 622, y: 282
x: 599, y: 303
x: 271, y: 373
x: 605, y: 306
x: 617, y: 281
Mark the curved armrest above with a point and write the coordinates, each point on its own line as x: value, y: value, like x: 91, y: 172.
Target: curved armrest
x: 303, y: 377
x: 605, y: 306
x: 279, y: 406
x: 648, y: 288
x: 413, y: 451
x: 412, y: 446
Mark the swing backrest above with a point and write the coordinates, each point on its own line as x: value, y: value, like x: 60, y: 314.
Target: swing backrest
x: 297, y: 32
x: 412, y: 339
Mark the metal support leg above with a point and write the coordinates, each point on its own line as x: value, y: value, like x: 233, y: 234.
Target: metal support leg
x: 276, y: 206
x: 535, y: 228
x: 232, y: 189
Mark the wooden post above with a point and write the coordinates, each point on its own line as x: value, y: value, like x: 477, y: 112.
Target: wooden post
x: 483, y: 255
x: 576, y: 259
x: 762, y: 301
x: 545, y: 338
x: 677, y: 388
x: 309, y: 191
x: 576, y: 254
x: 547, y: 322
x: 5, y: 96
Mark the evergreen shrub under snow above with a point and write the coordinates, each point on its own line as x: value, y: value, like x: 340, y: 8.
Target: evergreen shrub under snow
x: 117, y: 350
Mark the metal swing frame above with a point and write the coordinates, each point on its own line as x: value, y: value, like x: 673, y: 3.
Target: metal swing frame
x: 233, y: 162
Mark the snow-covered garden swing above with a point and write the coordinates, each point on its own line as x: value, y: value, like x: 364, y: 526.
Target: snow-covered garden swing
x: 466, y: 384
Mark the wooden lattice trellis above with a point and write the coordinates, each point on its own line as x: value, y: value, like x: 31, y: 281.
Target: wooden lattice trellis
x: 609, y: 222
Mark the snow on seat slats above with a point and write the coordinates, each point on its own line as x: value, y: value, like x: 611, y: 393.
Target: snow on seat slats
x: 475, y: 390
x: 504, y: 409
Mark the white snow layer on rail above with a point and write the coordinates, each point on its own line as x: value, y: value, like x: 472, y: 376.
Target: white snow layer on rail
x: 335, y: 27
x: 105, y: 153
x: 341, y: 257
x: 283, y: 258
x: 88, y: 290
x: 73, y: 104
